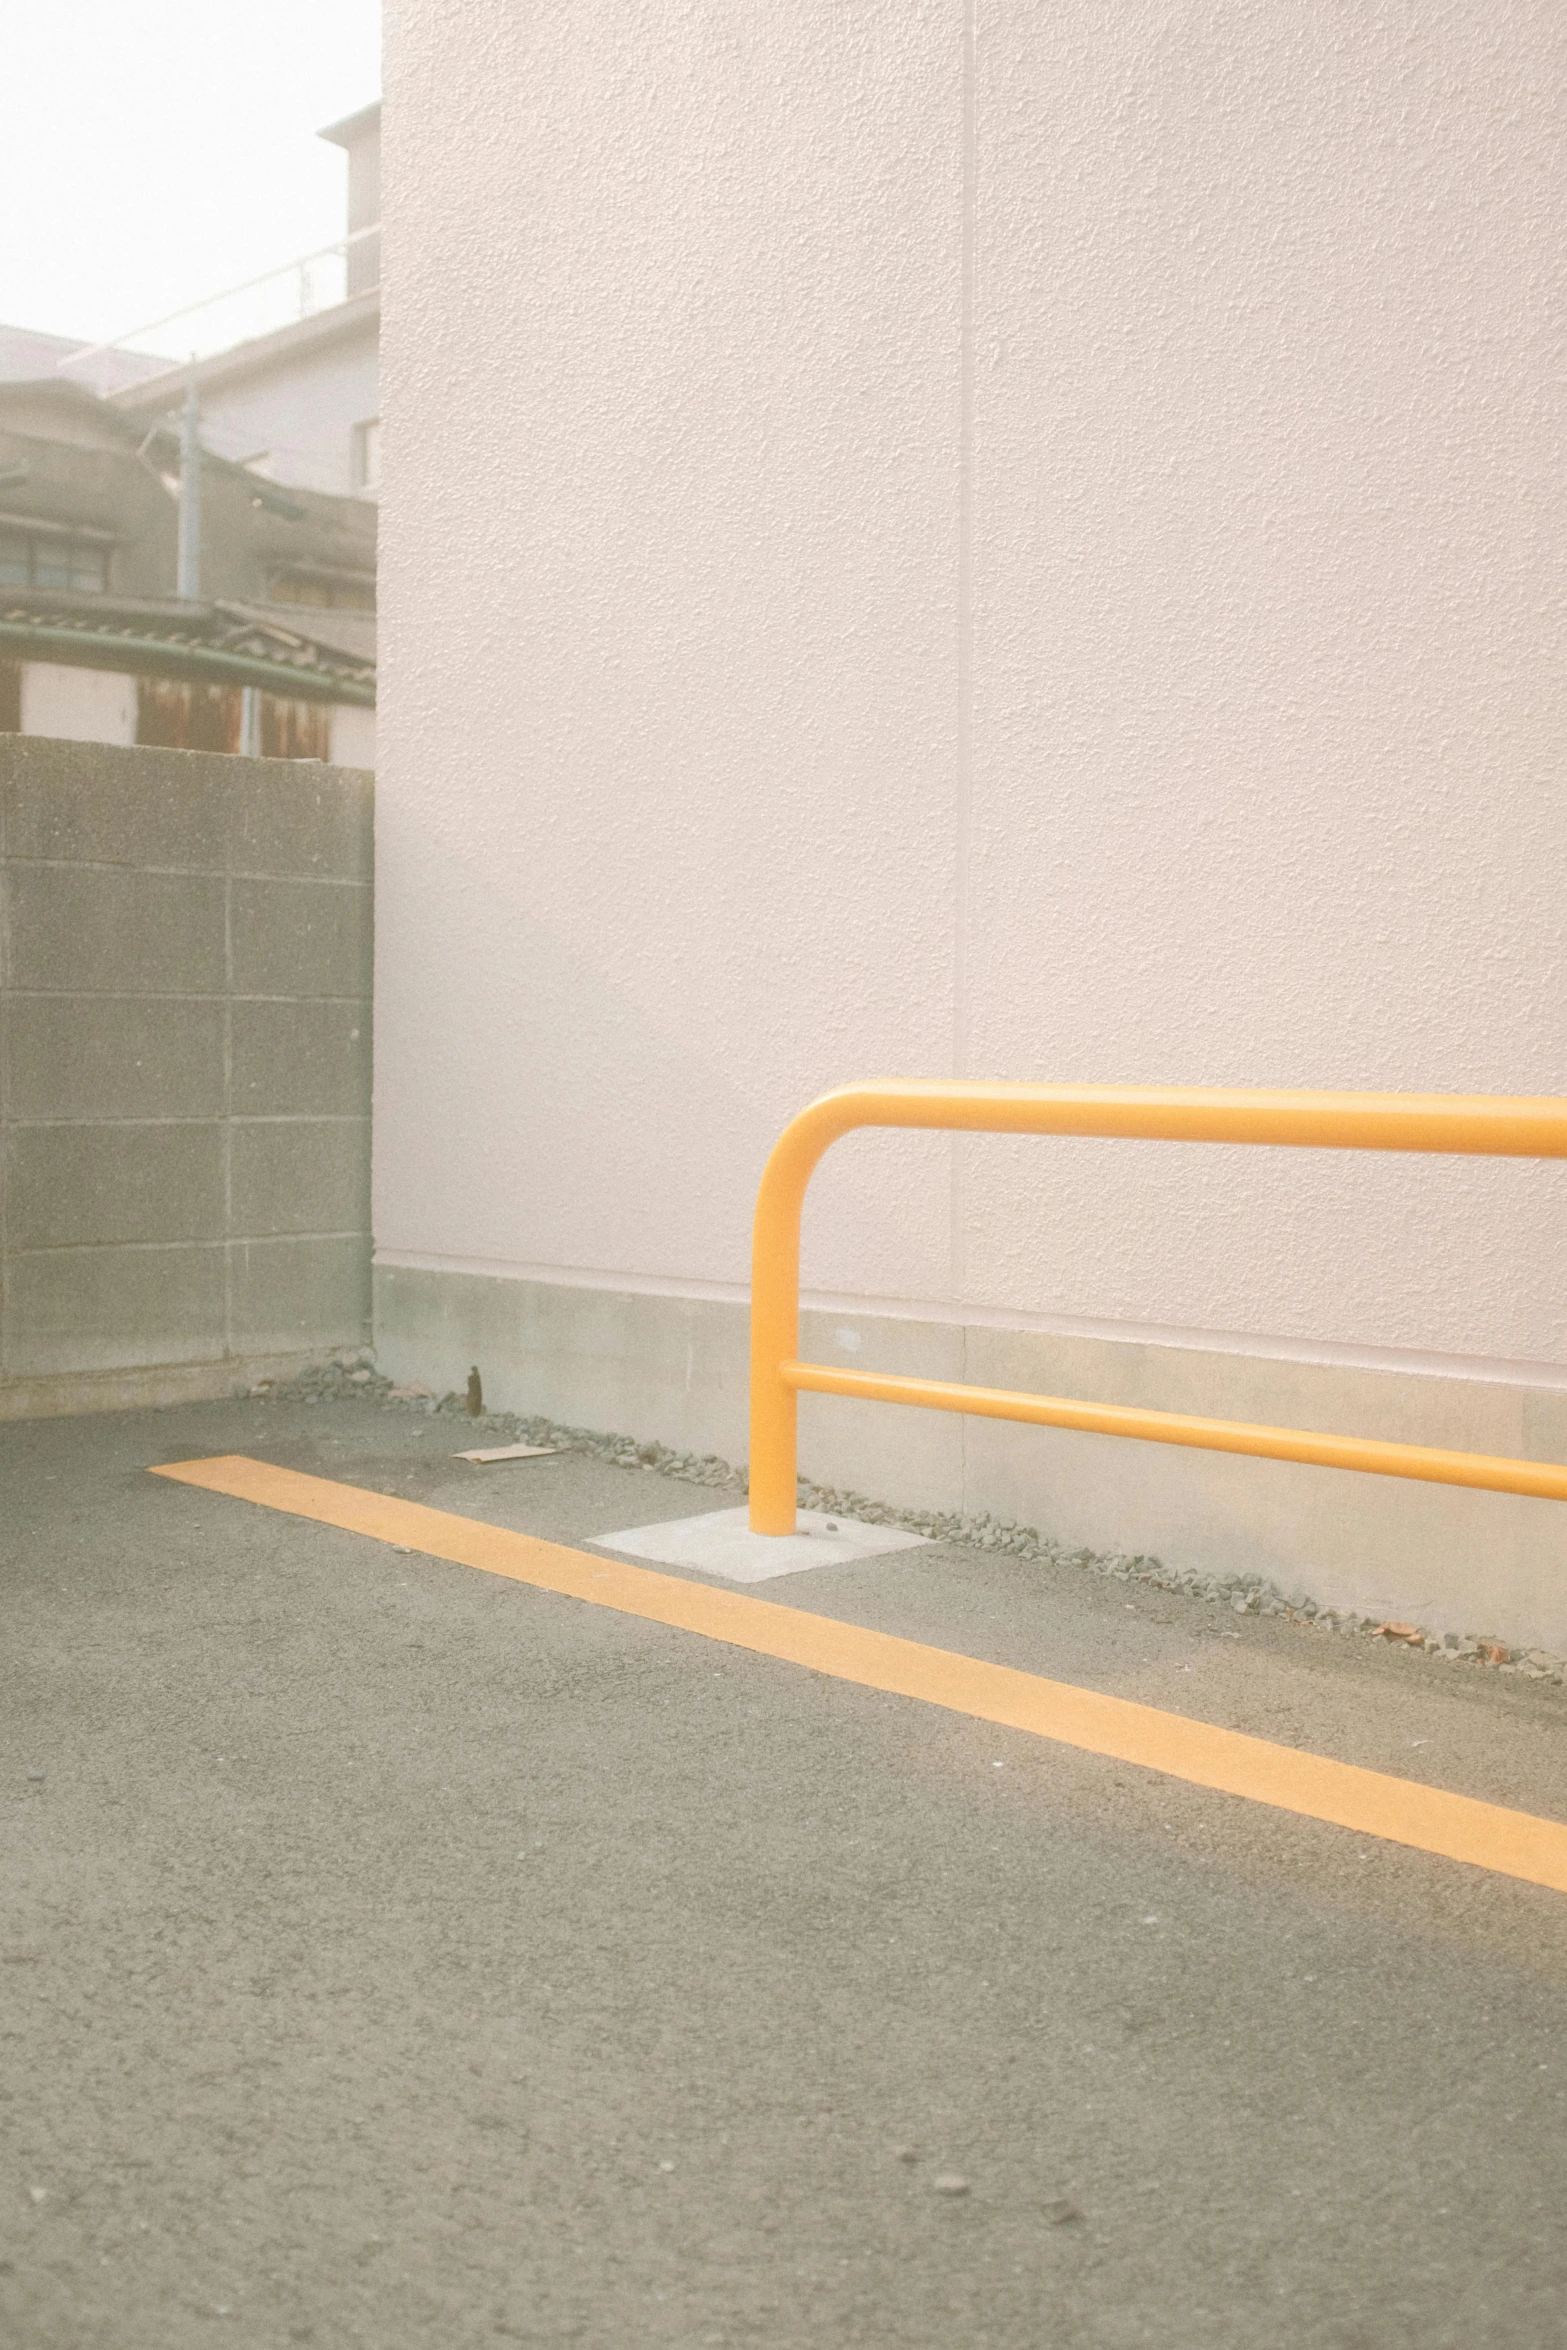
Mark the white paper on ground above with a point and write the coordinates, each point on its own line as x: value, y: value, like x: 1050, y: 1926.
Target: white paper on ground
x: 509, y: 1452
x: 720, y: 1542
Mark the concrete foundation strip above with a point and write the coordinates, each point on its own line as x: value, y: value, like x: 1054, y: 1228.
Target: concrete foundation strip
x: 1485, y: 1835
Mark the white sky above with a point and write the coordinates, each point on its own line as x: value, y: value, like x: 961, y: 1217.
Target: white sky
x: 154, y: 151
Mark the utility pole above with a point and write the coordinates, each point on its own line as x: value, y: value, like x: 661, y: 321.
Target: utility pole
x: 188, y: 583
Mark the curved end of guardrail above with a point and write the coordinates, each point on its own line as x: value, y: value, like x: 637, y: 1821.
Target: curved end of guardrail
x: 1464, y: 1125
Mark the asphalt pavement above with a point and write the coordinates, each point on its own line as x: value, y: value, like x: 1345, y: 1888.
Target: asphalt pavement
x: 396, y: 1955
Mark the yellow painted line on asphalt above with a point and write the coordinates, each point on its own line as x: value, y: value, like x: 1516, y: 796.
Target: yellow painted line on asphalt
x: 1512, y: 1843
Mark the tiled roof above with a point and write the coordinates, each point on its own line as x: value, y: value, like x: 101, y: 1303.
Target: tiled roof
x: 220, y: 643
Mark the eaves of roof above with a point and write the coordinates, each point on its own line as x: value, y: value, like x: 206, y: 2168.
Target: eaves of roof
x: 352, y: 126
x: 22, y: 392
x: 341, y: 631
x: 26, y: 354
x: 215, y: 644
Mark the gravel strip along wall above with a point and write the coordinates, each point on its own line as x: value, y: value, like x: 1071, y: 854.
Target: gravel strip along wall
x: 352, y: 1377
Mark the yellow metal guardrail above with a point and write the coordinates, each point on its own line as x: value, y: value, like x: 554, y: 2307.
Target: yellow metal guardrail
x: 1470, y: 1125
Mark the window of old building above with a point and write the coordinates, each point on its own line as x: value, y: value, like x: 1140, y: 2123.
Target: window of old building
x: 325, y: 591
x: 38, y: 559
x: 367, y: 454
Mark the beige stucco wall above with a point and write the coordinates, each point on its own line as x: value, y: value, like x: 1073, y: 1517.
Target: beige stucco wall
x: 1017, y: 543
x: 78, y: 705
x: 353, y: 736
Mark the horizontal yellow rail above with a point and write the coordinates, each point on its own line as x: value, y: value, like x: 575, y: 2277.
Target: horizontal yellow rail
x: 1467, y: 1125
x: 1496, y: 1475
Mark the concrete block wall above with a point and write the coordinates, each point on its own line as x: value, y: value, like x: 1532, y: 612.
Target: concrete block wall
x: 185, y: 948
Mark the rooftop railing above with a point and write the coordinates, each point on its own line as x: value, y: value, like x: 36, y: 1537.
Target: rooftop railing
x: 277, y: 298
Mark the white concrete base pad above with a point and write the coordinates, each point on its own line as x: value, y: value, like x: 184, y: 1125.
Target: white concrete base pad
x: 721, y: 1543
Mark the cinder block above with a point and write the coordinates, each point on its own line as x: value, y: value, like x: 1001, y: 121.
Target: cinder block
x: 151, y: 902
x: 300, y: 1060
x: 297, y: 817
x: 287, y: 1294
x: 70, y: 1185
x: 297, y: 1175
x: 104, y: 803
x: 111, y: 1056
x: 98, y: 1309
x: 300, y: 938
x: 109, y: 929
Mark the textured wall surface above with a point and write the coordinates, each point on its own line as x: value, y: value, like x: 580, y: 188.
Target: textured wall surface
x: 1269, y: 703
x: 674, y: 616
x: 184, y: 1068
x: 1010, y: 540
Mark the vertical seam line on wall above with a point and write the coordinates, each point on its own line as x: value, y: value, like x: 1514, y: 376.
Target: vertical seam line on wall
x: 964, y: 744
x: 965, y: 572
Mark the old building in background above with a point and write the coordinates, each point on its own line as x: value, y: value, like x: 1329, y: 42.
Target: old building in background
x: 276, y: 653
x: 300, y: 404
x: 260, y: 635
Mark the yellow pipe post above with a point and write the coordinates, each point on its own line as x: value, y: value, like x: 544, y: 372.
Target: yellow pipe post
x: 1468, y: 1125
